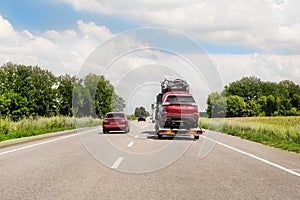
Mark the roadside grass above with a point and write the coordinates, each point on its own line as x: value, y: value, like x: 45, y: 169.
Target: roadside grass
x: 30, y: 127
x: 279, y: 132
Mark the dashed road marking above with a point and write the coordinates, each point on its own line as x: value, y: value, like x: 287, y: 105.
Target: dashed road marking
x: 117, y: 163
x: 130, y: 144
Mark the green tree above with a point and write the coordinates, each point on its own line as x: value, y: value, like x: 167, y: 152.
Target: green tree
x: 263, y: 104
x: 291, y: 88
x: 253, y: 108
x: 78, y: 99
x: 292, y: 112
x: 34, y: 83
x: 95, y: 96
x: 65, y: 94
x: 248, y: 87
x: 286, y: 105
x: 13, y: 106
x: 271, y: 106
x: 296, y: 101
x: 261, y: 98
x: 272, y: 88
x: 103, y: 98
x: 141, y: 111
x: 216, y: 105
x: 91, y: 84
x: 118, y: 103
x: 236, y: 106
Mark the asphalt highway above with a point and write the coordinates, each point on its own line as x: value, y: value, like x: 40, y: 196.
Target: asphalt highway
x: 87, y: 164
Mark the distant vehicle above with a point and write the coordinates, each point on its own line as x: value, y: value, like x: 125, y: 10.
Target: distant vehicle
x: 115, y: 121
x: 141, y: 118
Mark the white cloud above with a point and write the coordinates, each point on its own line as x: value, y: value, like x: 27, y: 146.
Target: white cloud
x: 65, y: 35
x: 89, y: 5
x: 6, y: 29
x: 251, y: 23
x: 60, y: 52
x: 266, y: 67
x: 65, y: 51
x: 90, y: 29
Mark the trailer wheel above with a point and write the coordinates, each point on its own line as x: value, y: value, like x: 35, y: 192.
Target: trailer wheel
x: 159, y: 136
x: 196, y: 137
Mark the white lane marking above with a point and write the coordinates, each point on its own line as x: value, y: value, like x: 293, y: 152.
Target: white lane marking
x: 295, y: 169
x: 37, y: 144
x: 255, y: 157
x: 117, y: 163
x: 130, y: 144
x: 41, y: 143
x: 136, y: 136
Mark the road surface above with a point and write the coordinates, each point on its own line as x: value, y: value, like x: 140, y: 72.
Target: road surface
x: 91, y: 165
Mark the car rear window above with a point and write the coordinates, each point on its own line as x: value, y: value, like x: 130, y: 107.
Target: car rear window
x: 180, y: 99
x: 115, y: 115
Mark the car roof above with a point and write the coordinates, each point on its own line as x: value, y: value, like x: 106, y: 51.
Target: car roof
x: 176, y: 93
x: 115, y: 113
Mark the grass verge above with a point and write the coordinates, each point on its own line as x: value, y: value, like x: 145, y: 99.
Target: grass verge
x: 279, y: 132
x: 31, y: 127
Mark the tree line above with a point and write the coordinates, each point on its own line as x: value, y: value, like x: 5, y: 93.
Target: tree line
x: 141, y: 111
x: 252, y: 97
x: 29, y: 91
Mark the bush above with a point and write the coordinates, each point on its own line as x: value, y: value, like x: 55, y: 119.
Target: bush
x: 5, y: 126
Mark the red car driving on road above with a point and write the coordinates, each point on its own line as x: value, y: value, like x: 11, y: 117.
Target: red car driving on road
x: 115, y: 121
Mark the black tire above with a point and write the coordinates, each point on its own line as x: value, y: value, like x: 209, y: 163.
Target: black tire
x: 159, y: 136
x: 105, y: 131
x: 196, y: 137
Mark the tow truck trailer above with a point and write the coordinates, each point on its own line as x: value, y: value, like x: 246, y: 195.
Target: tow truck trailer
x: 175, y: 110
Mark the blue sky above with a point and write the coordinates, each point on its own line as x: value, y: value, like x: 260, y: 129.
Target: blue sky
x: 42, y: 15
x: 243, y: 38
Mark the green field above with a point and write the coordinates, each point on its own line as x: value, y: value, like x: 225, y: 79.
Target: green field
x: 30, y: 127
x: 279, y: 132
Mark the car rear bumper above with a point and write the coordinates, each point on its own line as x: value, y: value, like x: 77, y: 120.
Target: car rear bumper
x: 114, y: 127
x: 181, y: 132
